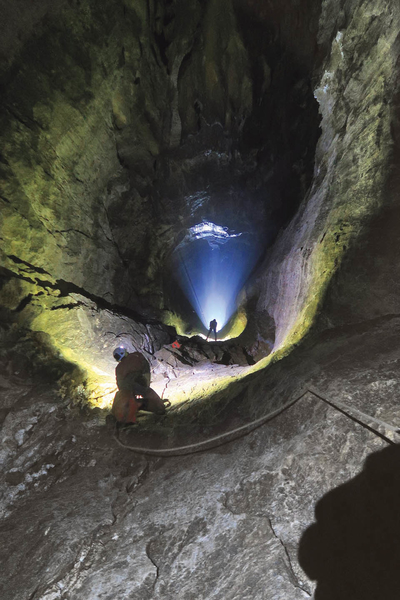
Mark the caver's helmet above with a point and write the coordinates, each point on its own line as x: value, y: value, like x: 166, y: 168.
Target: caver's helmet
x: 119, y: 353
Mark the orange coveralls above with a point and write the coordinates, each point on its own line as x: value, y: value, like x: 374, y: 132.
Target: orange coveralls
x: 133, y: 379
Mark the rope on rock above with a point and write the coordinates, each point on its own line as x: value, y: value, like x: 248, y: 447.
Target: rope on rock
x: 346, y: 410
x: 209, y: 444
x: 243, y: 430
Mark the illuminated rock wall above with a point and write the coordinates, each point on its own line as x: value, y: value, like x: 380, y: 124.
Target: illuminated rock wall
x: 69, y: 98
x: 124, y: 124
x: 352, y: 190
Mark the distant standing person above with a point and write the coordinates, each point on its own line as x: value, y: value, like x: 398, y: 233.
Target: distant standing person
x: 213, y: 327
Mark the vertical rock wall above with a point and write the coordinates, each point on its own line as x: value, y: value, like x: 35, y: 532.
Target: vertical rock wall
x: 357, y: 97
x: 71, y: 89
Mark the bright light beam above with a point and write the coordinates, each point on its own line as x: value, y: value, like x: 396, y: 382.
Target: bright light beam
x: 212, y: 265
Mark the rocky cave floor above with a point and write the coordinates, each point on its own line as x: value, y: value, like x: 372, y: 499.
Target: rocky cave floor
x: 195, y: 367
x: 83, y: 517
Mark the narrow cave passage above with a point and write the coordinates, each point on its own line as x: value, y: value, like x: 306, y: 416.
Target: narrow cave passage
x: 134, y: 142
x: 173, y: 206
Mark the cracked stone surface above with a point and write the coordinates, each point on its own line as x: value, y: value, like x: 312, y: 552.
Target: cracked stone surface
x: 87, y: 519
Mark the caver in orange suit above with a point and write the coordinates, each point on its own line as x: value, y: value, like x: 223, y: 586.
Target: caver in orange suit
x: 133, y: 380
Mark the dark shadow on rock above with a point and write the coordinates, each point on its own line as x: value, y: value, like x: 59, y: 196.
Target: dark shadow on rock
x: 353, y: 549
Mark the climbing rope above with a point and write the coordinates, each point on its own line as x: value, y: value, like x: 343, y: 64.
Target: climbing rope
x: 347, y: 410
x: 240, y: 432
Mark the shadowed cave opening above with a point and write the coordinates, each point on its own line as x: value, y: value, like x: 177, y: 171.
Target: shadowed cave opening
x: 253, y: 182
x: 254, y: 168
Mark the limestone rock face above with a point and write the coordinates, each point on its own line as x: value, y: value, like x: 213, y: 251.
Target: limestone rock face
x: 64, y: 101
